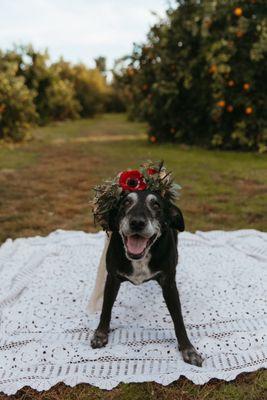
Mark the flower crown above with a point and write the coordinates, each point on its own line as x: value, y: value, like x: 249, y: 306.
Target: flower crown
x: 152, y: 176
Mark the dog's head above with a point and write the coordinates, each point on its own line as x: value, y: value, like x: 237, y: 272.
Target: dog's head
x: 141, y: 218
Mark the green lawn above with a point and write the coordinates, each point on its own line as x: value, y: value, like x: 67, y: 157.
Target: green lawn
x: 44, y: 185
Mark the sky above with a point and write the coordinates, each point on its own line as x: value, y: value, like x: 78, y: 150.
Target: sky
x: 78, y: 30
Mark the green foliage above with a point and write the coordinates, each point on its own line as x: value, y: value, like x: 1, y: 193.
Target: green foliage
x: 90, y: 86
x: 55, y: 98
x: 34, y: 89
x: 114, y: 100
x: 17, y: 109
x: 91, y: 89
x: 101, y: 64
x: 60, y: 101
x: 200, y: 77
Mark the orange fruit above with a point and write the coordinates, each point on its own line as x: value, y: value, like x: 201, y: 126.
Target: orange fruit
x: 153, y: 139
x: 130, y: 71
x: 221, y: 103
x: 246, y: 86
x: 230, y: 108
x: 238, y: 11
x: 212, y: 69
x: 207, y: 23
x: 231, y: 83
x: 239, y: 34
x: 249, y: 110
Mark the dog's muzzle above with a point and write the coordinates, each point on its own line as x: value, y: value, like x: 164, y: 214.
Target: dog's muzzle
x: 138, y: 237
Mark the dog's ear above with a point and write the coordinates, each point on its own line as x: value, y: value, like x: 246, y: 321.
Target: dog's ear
x: 175, y: 217
x: 112, y: 223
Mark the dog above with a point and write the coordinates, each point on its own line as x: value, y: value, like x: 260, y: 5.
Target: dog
x: 143, y: 246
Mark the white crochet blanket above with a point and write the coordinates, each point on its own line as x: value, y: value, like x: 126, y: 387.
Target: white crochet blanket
x: 44, y: 330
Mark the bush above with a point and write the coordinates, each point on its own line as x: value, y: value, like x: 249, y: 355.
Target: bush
x: 90, y: 86
x: 199, y: 78
x: 55, y: 98
x: 114, y: 101
x: 91, y: 89
x: 17, y: 109
x: 59, y: 101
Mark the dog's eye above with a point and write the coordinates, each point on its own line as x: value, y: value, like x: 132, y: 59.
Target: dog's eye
x: 127, y: 203
x: 156, y: 205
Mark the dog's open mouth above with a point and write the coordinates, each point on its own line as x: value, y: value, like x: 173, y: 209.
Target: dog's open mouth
x: 136, y: 245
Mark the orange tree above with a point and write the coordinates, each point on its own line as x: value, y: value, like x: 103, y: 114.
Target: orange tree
x: 89, y: 84
x: 17, y: 108
x: 200, y: 76
x: 55, y: 98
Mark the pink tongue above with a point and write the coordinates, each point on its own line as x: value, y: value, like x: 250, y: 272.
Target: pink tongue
x: 136, y: 244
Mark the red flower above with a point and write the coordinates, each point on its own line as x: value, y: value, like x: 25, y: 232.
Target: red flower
x: 152, y: 171
x: 132, y: 180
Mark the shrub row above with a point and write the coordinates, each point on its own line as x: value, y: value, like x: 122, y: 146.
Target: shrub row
x: 34, y: 90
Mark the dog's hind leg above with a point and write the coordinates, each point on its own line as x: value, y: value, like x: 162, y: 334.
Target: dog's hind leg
x: 96, y: 299
x: 100, y: 337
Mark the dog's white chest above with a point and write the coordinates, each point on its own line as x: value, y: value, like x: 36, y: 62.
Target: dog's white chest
x: 141, y: 271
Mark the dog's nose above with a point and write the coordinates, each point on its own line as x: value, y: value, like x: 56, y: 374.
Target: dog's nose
x: 137, y: 224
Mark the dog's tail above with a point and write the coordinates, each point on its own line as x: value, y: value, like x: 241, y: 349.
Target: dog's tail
x: 96, y: 299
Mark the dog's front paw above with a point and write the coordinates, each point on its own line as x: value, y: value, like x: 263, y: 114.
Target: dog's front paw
x: 99, y: 339
x: 191, y: 356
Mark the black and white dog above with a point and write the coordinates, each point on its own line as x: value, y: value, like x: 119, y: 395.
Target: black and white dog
x: 143, y: 246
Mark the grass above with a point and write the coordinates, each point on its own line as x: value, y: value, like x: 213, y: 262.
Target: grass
x: 44, y: 185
